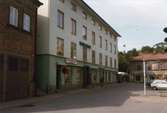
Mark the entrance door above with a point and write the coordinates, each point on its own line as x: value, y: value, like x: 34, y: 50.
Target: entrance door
x: 58, y: 77
x: 86, y: 76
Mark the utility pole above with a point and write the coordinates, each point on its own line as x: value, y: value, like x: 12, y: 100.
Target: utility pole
x: 144, y: 73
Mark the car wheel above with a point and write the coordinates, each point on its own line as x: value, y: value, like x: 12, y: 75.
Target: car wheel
x: 155, y: 88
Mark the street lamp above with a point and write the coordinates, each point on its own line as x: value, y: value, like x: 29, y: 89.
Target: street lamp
x: 144, y: 73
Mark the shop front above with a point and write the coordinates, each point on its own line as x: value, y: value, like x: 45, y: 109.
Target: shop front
x: 69, y: 76
x: 95, y: 76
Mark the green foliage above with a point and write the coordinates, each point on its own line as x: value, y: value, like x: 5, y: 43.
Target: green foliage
x: 125, y: 58
x: 147, y: 49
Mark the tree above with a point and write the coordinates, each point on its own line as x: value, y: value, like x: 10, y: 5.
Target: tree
x: 125, y: 58
x: 147, y: 49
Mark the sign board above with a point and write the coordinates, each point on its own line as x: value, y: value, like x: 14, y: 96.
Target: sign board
x: 71, y: 61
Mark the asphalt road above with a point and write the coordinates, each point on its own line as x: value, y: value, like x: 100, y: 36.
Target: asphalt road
x: 119, y: 98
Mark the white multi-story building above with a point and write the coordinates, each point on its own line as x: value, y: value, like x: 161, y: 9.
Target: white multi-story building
x: 75, y: 46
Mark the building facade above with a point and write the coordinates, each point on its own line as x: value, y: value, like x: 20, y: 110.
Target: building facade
x: 156, y: 67
x: 17, y: 48
x: 76, y: 47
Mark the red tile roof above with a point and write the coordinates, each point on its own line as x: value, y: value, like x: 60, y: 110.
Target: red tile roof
x: 151, y: 56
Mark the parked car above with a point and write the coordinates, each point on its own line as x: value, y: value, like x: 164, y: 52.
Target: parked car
x: 159, y: 84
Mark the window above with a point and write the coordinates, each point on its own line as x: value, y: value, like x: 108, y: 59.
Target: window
x: 26, y: 23
x: 85, y: 54
x: 93, y: 22
x: 93, y: 57
x: 111, y: 47
x: 106, y: 31
x: 111, y: 62
x: 1, y: 62
x: 115, y: 63
x: 155, y: 66
x: 84, y: 32
x: 100, y: 59
x: 74, y: 27
x: 13, y: 19
x: 74, y: 6
x: 115, y: 49
x: 24, y: 65
x: 101, y: 41
x: 106, y: 60
x: 61, y: 1
x: 73, y: 50
x: 12, y: 63
x: 60, y: 47
x: 106, y: 45
x: 100, y: 27
x: 84, y: 15
x: 60, y: 19
x: 93, y: 38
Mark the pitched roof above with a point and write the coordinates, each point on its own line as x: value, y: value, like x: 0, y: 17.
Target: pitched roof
x: 99, y: 17
x: 150, y: 57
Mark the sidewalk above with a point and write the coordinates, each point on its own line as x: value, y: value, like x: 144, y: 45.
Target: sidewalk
x: 36, y: 100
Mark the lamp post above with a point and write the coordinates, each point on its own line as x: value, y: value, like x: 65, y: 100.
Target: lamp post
x: 144, y: 73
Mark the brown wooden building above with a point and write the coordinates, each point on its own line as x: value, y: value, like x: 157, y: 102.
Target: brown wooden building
x: 18, y: 19
x: 156, y: 67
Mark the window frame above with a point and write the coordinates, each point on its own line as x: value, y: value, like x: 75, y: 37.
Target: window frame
x: 59, y: 46
x: 30, y: 22
x: 60, y: 19
x: 84, y: 32
x: 73, y: 27
x: 16, y: 25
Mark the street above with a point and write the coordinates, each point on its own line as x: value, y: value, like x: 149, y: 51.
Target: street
x: 119, y: 98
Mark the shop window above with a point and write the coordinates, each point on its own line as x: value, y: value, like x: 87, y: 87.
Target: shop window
x: 24, y: 65
x: 60, y: 47
x: 12, y: 63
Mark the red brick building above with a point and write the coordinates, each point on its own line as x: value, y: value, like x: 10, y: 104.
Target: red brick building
x: 18, y: 19
x: 156, y: 67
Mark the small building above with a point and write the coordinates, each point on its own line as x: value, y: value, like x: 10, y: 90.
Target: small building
x: 156, y: 67
x: 75, y: 46
x: 18, y: 20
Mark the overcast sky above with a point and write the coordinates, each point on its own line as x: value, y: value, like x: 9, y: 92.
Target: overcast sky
x: 140, y: 22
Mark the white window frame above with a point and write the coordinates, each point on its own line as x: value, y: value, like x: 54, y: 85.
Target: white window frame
x: 26, y: 22
x: 14, y: 16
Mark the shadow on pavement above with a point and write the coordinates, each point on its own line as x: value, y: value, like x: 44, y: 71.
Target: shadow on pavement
x: 116, y: 95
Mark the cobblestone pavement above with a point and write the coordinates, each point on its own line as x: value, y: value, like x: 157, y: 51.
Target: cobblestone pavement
x: 119, y: 98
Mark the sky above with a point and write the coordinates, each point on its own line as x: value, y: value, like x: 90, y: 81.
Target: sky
x: 139, y: 22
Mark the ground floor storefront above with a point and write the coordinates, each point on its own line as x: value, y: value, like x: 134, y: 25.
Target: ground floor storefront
x: 57, y: 73
x: 16, y: 76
